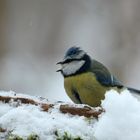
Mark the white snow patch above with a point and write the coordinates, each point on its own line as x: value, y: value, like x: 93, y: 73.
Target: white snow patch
x: 27, y: 119
x: 121, y: 120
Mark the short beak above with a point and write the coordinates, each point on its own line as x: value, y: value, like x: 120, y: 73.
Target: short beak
x: 61, y: 62
x: 64, y: 60
x: 59, y: 70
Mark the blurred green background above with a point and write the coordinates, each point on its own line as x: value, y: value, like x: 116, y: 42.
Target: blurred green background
x: 34, y: 35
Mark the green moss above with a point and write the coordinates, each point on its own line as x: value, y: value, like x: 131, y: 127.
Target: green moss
x: 66, y: 136
x: 14, y: 137
x: 33, y: 137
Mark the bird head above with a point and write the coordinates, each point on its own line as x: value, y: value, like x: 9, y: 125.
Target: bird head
x: 73, y: 61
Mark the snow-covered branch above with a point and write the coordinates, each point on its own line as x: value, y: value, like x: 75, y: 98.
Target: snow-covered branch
x: 24, y: 117
x: 81, y: 110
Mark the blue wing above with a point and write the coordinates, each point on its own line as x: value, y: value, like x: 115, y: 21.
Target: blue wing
x: 103, y: 75
x: 106, y: 78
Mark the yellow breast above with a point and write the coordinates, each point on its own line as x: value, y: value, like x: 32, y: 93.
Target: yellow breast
x: 89, y: 90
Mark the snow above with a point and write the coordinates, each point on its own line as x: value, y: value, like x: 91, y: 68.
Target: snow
x: 13, y: 94
x: 120, y: 120
x: 26, y: 119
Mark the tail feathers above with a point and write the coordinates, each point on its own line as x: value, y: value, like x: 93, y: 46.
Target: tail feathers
x: 134, y: 90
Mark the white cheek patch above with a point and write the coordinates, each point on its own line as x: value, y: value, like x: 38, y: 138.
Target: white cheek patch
x: 72, y: 67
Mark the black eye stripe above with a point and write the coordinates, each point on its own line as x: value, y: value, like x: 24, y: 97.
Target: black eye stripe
x: 70, y: 60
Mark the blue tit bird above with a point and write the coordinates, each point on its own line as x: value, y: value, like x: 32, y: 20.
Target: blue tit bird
x: 87, y: 80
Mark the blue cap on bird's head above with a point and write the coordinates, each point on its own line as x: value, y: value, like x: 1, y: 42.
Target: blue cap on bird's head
x: 73, y: 51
